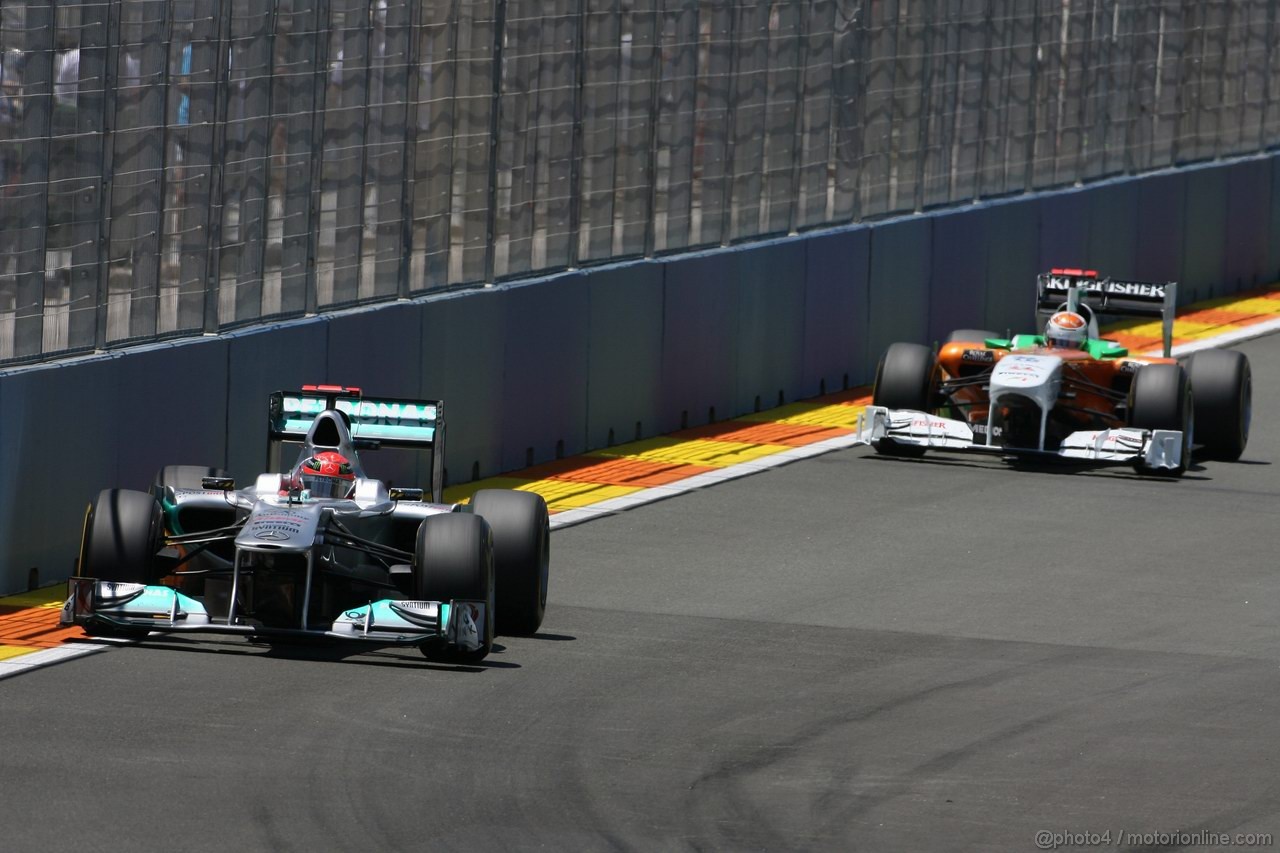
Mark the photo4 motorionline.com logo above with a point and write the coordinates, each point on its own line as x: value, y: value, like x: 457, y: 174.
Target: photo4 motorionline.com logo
x: 1046, y: 840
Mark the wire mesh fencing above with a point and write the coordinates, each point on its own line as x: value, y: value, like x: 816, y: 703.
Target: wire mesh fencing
x: 174, y: 167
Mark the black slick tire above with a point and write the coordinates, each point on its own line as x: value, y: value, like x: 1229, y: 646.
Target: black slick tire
x: 453, y: 559
x: 904, y: 380
x: 122, y: 532
x: 1222, y: 387
x: 521, y: 556
x: 122, y: 535
x: 1160, y: 398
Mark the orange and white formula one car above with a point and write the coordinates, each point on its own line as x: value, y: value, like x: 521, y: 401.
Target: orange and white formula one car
x: 1065, y: 394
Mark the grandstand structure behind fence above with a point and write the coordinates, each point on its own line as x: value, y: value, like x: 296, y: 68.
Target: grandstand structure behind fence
x: 181, y: 167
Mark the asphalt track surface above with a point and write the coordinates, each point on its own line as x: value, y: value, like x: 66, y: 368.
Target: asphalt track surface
x: 848, y: 652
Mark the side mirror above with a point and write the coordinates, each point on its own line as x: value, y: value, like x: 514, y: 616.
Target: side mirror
x: 221, y: 484
x: 406, y: 494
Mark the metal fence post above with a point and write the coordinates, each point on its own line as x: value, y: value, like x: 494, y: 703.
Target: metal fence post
x: 1263, y: 139
x: 655, y: 92
x: 268, y: 162
x: 1028, y: 176
x: 805, y: 12
x: 114, y: 14
x: 926, y: 105
x: 32, y: 218
x: 575, y: 164
x: 409, y: 149
x: 988, y: 40
x: 319, y: 101
x: 731, y: 121
x: 495, y: 122
x: 364, y: 160
x: 217, y: 162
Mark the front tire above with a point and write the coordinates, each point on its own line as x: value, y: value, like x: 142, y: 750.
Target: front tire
x: 122, y: 535
x: 905, y: 380
x: 521, y: 555
x: 1160, y: 398
x: 454, y: 560
x: 1222, y: 384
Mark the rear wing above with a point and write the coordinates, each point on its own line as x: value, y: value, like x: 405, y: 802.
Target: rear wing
x: 374, y: 422
x: 1112, y: 296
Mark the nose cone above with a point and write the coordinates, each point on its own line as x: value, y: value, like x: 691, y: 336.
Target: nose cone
x: 1038, y: 377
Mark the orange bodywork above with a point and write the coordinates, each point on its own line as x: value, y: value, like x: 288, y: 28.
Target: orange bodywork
x: 1090, y: 385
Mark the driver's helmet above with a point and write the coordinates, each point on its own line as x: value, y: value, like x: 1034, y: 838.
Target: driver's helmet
x: 327, y: 475
x: 1066, y: 330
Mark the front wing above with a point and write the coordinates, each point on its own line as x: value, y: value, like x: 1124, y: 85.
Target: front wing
x: 1153, y: 449
x: 159, y: 608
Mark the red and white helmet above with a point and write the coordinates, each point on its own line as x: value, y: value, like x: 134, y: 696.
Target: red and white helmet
x: 1066, y: 330
x: 327, y: 475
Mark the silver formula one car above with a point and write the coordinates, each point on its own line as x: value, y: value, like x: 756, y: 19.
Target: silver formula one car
x: 319, y: 550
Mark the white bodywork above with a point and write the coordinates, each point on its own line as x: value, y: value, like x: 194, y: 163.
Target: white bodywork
x: 1153, y: 449
x: 1036, y: 377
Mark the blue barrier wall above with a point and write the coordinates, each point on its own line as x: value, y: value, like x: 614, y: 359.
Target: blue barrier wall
x: 1204, y: 235
x: 624, y: 369
x: 770, y: 362
x: 1014, y: 260
x: 699, y: 340
x: 898, y: 291
x: 555, y: 366
x: 1248, y: 223
x: 836, y: 275
x: 1113, y: 229
x: 958, y: 273
x: 545, y: 372
x: 1064, y: 228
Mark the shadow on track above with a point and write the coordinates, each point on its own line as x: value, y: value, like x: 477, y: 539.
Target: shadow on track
x: 331, y: 653
x: 1056, y: 468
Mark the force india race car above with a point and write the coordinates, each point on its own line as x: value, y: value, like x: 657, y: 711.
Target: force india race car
x: 1099, y: 404
x: 276, y: 561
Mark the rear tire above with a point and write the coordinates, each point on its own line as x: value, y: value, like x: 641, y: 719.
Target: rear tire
x: 521, y: 557
x: 122, y: 532
x: 905, y: 380
x: 977, y: 336
x: 183, y: 477
x: 1222, y: 385
x: 454, y: 560
x: 1160, y: 398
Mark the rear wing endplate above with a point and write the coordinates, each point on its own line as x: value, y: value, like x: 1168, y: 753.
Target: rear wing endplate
x: 374, y: 422
x: 1113, y: 296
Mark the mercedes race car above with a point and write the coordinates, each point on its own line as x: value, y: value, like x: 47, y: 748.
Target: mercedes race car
x: 1075, y: 397
x: 320, y: 550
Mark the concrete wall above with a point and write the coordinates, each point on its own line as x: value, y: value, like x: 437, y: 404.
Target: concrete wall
x: 555, y: 366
